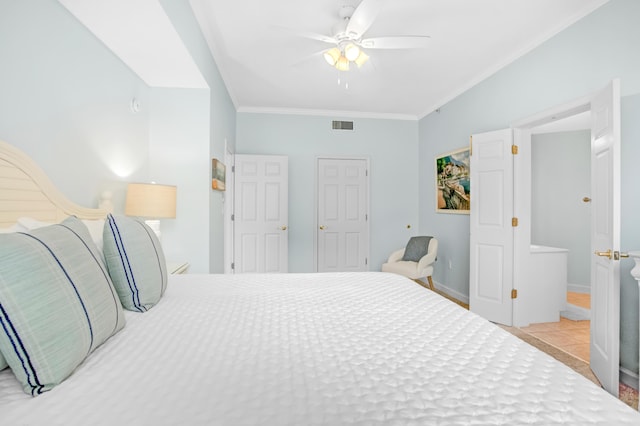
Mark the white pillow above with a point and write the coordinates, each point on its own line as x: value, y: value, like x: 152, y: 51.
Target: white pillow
x: 96, y: 228
x: 14, y: 228
x: 30, y: 223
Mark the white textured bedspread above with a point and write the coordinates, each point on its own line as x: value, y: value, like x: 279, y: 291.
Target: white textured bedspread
x: 313, y: 349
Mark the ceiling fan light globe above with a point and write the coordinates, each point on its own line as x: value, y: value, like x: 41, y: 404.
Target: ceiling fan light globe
x: 332, y: 56
x: 351, y: 51
x: 361, y: 59
x: 342, y: 64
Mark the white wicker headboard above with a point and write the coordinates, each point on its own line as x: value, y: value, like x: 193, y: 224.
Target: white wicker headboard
x: 25, y: 191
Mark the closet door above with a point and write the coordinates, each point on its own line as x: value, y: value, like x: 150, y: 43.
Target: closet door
x: 261, y: 214
x: 342, y: 234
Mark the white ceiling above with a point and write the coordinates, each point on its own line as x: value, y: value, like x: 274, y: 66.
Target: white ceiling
x: 269, y: 66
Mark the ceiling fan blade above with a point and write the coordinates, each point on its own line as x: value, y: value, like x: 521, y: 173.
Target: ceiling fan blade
x: 363, y: 17
x: 319, y: 37
x: 297, y: 63
x: 396, y: 42
x: 305, y: 34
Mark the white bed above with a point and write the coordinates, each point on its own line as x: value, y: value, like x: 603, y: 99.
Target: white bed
x: 307, y: 349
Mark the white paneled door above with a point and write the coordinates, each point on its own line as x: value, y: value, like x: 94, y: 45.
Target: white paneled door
x: 261, y: 213
x: 342, y: 229
x: 491, y: 239
x: 605, y: 236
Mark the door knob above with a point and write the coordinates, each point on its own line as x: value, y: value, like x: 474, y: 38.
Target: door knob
x: 586, y: 199
x: 283, y: 227
x: 322, y: 227
x: 617, y: 255
x: 604, y: 253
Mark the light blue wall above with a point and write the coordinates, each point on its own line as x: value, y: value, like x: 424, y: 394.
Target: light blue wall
x: 64, y: 100
x: 630, y: 235
x: 560, y: 179
x: 390, y: 145
x: 179, y: 155
x: 576, y: 62
x: 222, y: 120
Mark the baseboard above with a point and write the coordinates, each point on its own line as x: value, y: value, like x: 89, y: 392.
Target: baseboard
x: 579, y: 288
x: 576, y: 313
x: 629, y: 378
x: 451, y: 292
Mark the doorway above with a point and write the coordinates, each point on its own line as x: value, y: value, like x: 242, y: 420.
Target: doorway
x: 604, y: 265
x: 504, y: 278
x: 560, y: 229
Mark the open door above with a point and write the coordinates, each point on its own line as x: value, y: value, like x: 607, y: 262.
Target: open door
x: 491, y: 256
x: 605, y: 236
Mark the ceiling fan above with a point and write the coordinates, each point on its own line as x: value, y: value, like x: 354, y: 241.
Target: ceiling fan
x: 348, y: 35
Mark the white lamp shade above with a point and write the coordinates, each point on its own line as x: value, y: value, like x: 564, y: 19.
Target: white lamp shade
x: 332, y: 55
x: 361, y: 59
x: 151, y: 200
x: 342, y: 64
x: 351, y: 52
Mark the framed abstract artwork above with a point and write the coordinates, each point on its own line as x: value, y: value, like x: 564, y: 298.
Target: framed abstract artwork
x: 452, y: 182
x: 218, y: 175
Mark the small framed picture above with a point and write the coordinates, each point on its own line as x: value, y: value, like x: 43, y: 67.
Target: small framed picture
x: 453, y: 193
x: 218, y: 175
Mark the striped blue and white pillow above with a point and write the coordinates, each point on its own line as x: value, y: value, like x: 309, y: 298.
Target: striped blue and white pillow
x: 57, y: 303
x: 14, y: 228
x: 135, y: 261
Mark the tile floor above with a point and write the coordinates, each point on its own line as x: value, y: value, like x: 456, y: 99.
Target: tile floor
x: 570, y: 336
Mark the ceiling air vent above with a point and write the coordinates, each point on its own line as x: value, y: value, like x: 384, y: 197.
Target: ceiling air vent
x: 342, y: 125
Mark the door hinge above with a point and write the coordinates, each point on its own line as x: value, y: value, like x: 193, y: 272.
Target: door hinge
x: 366, y: 217
x: 366, y: 172
x: 514, y: 293
x: 233, y: 169
x: 233, y: 217
x: 514, y: 149
x: 514, y: 221
x: 470, y: 145
x: 233, y: 265
x: 366, y: 261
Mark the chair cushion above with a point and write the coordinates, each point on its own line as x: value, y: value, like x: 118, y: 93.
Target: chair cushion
x: 408, y: 269
x: 416, y: 248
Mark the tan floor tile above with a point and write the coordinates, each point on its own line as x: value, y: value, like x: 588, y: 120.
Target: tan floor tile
x: 584, y: 336
x: 567, y: 324
x: 579, y: 351
x: 558, y: 338
x: 579, y: 299
x: 543, y: 326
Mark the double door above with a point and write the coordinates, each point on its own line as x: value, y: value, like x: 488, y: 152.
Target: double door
x: 260, y: 214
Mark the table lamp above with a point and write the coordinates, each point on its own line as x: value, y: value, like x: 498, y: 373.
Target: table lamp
x: 152, y: 202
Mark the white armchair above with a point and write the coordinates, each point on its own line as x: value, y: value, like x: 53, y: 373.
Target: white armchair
x: 411, y: 268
